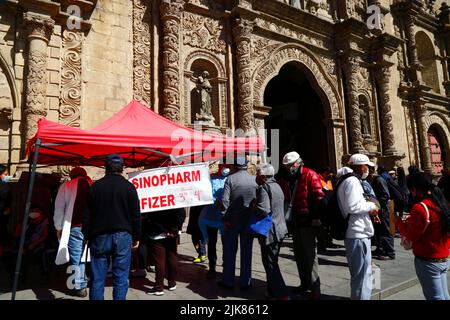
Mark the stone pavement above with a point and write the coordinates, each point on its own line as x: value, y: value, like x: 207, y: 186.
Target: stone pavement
x: 395, y: 276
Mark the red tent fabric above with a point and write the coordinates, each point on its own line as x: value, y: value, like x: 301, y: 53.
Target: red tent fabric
x: 140, y: 135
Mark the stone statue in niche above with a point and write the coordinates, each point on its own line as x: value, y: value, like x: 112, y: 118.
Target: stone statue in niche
x: 204, y: 89
x: 363, y: 118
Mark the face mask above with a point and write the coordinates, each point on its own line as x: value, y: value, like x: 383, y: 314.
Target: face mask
x: 225, y: 172
x: 6, y: 179
x: 293, y: 170
x: 365, y: 175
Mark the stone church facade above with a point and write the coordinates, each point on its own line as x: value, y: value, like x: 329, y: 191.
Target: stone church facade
x: 382, y: 91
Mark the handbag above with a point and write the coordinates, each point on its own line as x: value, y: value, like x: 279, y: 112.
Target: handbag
x: 258, y: 225
x: 406, y: 243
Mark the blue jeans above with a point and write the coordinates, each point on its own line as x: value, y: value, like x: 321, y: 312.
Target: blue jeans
x: 433, y: 279
x: 359, y: 258
x: 230, y: 247
x: 75, y: 247
x: 118, y: 246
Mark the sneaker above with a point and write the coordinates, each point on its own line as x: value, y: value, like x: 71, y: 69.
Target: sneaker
x: 173, y: 288
x: 141, y: 273
x: 82, y: 293
x: 153, y: 292
x: 384, y: 258
x: 151, y: 269
x: 199, y: 259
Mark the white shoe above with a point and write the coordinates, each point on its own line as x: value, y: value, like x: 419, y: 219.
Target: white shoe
x: 153, y: 292
x: 173, y: 288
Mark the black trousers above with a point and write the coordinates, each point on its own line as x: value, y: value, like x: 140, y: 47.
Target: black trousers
x: 165, y: 255
x: 276, y: 286
x: 383, y: 238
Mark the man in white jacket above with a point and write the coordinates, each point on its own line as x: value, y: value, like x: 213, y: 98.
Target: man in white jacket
x: 352, y: 203
x: 69, y: 208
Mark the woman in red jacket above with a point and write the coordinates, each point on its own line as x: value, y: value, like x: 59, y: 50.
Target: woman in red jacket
x: 428, y: 229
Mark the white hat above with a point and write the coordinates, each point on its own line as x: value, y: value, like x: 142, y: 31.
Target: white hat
x: 241, y: 161
x: 360, y: 159
x: 291, y: 157
x: 265, y: 169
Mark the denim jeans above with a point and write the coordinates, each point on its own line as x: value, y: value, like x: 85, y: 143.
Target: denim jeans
x: 433, y: 279
x: 230, y: 247
x: 75, y: 247
x: 359, y: 258
x: 118, y: 246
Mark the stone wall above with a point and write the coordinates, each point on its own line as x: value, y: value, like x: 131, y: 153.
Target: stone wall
x: 107, y: 62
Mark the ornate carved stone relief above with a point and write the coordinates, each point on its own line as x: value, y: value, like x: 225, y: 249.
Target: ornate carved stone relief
x: 203, y: 32
x: 210, y: 4
x: 6, y: 102
x: 356, y: 9
x: 296, y: 34
x: 330, y: 66
x: 141, y: 52
x: 70, y: 99
x: 261, y: 48
x: 291, y: 52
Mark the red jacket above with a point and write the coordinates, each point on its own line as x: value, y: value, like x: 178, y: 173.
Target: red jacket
x: 433, y: 243
x: 308, y: 186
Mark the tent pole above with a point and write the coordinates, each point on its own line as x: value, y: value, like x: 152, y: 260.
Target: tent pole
x: 25, y: 218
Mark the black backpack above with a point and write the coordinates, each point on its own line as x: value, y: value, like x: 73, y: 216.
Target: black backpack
x: 397, y: 194
x: 332, y: 215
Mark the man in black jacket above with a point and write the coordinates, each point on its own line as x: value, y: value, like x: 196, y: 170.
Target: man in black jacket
x: 383, y: 237
x: 112, y: 225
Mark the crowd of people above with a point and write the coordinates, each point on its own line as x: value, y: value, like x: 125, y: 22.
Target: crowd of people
x: 375, y: 205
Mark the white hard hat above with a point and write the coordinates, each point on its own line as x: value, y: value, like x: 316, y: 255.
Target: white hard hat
x: 360, y: 159
x: 291, y: 157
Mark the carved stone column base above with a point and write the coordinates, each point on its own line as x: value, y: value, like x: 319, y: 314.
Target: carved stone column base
x: 391, y: 161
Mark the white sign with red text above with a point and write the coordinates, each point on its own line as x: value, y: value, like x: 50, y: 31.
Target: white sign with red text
x: 173, y: 187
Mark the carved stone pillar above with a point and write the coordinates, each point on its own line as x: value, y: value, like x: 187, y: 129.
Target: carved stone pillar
x: 411, y: 43
x: 171, y: 13
x: 141, y: 52
x: 421, y: 112
x: 387, y: 137
x: 356, y: 139
x: 39, y: 30
x: 242, y: 32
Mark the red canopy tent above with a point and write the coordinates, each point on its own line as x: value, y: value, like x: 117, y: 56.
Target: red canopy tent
x: 140, y: 135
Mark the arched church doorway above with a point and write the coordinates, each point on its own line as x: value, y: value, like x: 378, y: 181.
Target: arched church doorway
x: 437, y: 150
x: 297, y: 111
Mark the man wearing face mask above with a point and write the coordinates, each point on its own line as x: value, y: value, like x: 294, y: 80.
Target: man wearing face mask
x: 5, y: 206
x: 306, y: 193
x: 354, y: 205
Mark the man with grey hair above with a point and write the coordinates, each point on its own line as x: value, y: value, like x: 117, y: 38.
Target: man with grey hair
x: 305, y: 196
x: 270, y: 200
x: 239, y: 192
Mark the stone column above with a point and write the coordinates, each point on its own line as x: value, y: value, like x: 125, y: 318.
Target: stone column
x: 414, y: 63
x: 356, y: 139
x: 39, y: 30
x: 171, y: 12
x: 421, y: 112
x: 387, y: 137
x: 242, y: 30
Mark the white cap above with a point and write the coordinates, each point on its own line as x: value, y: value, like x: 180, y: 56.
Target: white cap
x: 291, y: 157
x: 241, y: 161
x: 265, y: 169
x: 360, y: 159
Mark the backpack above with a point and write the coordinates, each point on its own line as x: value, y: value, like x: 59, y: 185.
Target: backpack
x: 400, y: 198
x: 332, y: 215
